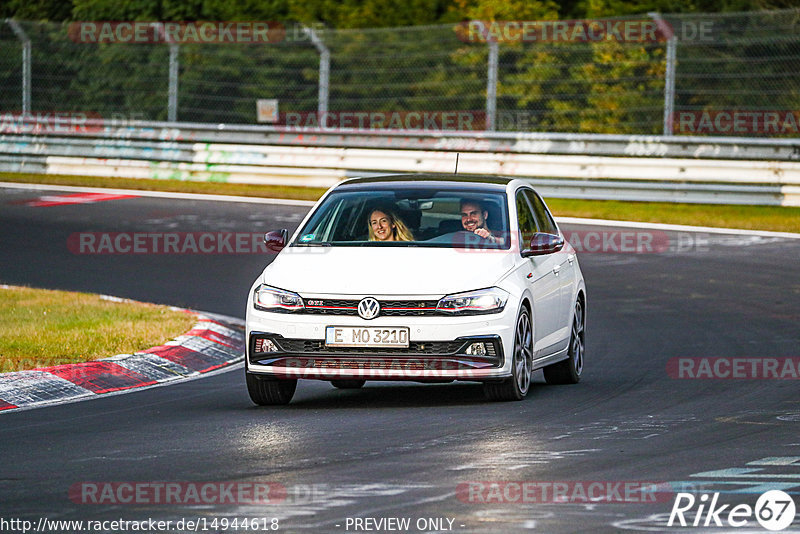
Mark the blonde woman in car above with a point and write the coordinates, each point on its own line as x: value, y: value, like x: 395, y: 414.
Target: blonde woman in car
x: 386, y: 226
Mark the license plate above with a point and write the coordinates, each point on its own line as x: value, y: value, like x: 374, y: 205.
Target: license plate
x: 354, y: 336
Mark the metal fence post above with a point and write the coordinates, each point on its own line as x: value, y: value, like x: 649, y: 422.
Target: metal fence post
x: 172, y: 90
x: 669, y: 90
x: 26, y: 64
x: 324, y: 75
x: 491, y: 85
x: 172, y: 104
x: 669, y: 74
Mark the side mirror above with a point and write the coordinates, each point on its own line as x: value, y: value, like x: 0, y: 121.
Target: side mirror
x: 542, y: 244
x: 276, y: 239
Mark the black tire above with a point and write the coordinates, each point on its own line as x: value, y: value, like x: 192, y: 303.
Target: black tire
x: 270, y: 391
x: 569, y: 371
x: 516, y: 387
x: 348, y: 384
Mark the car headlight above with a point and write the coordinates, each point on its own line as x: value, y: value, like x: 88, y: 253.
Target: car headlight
x: 272, y: 299
x: 491, y: 300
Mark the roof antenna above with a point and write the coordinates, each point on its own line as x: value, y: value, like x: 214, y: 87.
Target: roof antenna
x: 456, y: 171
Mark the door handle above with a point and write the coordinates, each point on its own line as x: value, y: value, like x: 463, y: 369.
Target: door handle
x: 556, y: 269
x: 571, y: 258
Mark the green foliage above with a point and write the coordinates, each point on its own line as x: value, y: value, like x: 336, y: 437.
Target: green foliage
x: 56, y: 10
x: 617, y: 8
x: 144, y: 10
x: 180, y: 10
x: 367, y: 13
x: 506, y: 9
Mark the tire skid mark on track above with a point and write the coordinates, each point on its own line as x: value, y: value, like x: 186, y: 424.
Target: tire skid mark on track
x: 212, y: 343
x: 644, y: 427
x: 763, y: 417
x: 520, y: 460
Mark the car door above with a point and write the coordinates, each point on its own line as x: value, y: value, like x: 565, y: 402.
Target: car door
x: 564, y: 266
x: 542, y: 281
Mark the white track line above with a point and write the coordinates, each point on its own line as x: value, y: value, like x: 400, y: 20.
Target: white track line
x: 674, y: 227
x: 309, y: 203
x: 158, y: 194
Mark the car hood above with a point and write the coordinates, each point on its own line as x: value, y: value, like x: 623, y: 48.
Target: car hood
x: 385, y: 270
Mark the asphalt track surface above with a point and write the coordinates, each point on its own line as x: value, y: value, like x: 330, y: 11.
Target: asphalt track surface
x: 396, y: 450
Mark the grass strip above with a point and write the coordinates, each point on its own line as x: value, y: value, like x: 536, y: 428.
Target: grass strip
x: 41, y: 328
x: 774, y: 218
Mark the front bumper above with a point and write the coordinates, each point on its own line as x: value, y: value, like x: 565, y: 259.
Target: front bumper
x: 436, y: 352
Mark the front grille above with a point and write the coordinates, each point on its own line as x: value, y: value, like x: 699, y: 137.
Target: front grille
x: 305, y: 346
x: 314, y: 353
x: 389, y: 308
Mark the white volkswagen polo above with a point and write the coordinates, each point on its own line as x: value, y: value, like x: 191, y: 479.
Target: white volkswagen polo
x: 418, y: 278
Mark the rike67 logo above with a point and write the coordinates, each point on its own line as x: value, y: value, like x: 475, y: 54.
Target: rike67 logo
x: 774, y: 510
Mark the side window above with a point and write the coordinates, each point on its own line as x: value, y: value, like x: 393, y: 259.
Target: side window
x: 527, y: 222
x: 544, y: 220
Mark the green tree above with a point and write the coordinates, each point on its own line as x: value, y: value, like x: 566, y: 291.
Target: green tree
x: 368, y: 13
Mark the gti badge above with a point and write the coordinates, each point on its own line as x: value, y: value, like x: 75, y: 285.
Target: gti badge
x: 368, y: 308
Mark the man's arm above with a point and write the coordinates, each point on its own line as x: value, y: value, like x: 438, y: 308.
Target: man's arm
x: 486, y: 234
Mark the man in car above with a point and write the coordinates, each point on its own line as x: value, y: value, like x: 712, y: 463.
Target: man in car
x: 473, y: 219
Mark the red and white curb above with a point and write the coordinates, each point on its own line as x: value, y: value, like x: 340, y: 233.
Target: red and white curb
x: 213, y: 342
x: 75, y: 198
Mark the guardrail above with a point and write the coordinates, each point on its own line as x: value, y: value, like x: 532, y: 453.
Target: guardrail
x: 681, y: 169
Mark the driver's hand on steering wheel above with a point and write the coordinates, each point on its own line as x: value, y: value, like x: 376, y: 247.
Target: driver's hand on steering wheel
x: 484, y: 233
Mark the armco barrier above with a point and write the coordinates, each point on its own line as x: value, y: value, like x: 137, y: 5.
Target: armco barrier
x: 681, y: 169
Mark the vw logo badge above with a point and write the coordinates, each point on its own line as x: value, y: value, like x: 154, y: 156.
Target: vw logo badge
x: 368, y: 308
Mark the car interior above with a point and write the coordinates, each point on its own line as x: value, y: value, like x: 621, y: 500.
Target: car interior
x: 428, y: 218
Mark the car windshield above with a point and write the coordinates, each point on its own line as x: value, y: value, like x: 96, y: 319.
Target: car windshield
x: 406, y: 217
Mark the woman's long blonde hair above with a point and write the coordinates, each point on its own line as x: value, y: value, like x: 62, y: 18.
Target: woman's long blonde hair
x: 401, y: 231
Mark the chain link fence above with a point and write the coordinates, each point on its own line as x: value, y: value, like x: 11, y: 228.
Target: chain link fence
x: 695, y: 74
